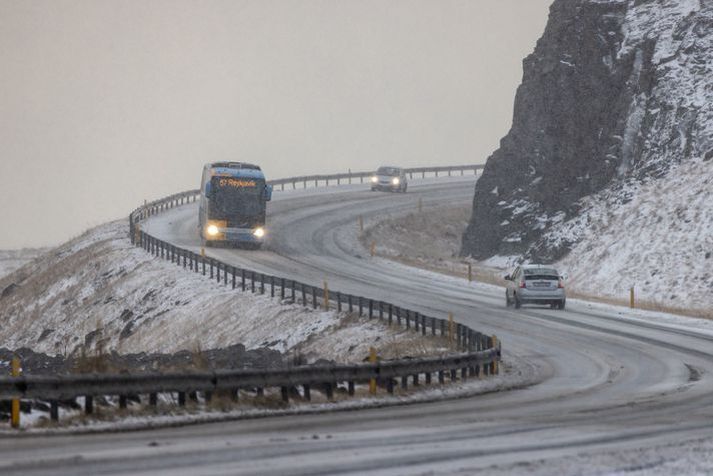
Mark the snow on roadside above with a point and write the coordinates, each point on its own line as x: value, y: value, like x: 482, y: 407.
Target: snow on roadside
x: 98, y: 291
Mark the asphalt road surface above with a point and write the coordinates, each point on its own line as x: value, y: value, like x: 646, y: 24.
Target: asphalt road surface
x: 601, y: 383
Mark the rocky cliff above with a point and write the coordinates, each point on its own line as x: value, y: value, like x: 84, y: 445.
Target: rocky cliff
x: 617, y: 93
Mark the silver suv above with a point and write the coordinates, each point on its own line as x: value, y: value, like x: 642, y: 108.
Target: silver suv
x: 391, y: 179
x: 535, y: 284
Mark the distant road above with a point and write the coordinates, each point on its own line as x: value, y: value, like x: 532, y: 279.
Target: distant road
x: 604, y: 383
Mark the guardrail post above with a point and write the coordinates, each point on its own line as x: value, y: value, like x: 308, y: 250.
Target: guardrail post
x: 252, y: 281
x: 282, y: 289
x: 233, y: 277
x: 314, y: 297
x: 454, y: 375
x: 350, y: 385
x: 329, y: 390
x: 408, y: 320
x: 262, y: 283
x: 242, y: 279
x: 306, y: 392
x: 225, y: 274
x: 404, y: 382
x: 15, y: 404
x: 272, y: 286
x: 360, y: 307
x: 211, y: 267
x: 391, y: 314
x: 381, y: 310
x: 54, y: 410
x: 433, y: 326
x: 339, y: 301
x: 293, y: 291
x: 441, y: 377
x: 285, y: 394
x: 181, y: 399
x: 153, y: 399
x: 390, y: 385
x: 398, y: 316
x: 371, y: 308
x: 428, y: 378
x: 88, y: 404
x: 470, y: 273
x: 372, y: 360
x: 415, y: 380
x: 304, y: 295
x: 122, y: 402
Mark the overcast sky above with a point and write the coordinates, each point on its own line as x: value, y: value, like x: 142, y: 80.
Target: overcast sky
x: 106, y: 103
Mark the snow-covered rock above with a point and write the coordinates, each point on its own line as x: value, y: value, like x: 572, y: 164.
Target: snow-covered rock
x: 609, y: 163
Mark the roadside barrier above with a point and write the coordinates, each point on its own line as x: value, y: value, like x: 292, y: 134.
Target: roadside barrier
x: 478, y: 355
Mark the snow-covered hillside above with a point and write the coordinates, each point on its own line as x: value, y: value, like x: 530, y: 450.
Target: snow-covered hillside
x: 658, y: 239
x: 10, y: 260
x: 100, y: 291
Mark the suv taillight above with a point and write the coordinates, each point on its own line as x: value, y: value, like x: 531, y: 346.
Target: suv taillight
x: 560, y: 284
x: 522, y: 284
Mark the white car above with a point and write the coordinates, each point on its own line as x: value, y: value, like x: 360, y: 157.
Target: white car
x: 390, y: 179
x: 535, y: 284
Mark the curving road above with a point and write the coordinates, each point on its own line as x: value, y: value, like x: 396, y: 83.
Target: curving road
x: 601, y: 383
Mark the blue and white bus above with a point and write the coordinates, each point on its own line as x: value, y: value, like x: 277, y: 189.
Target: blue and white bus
x: 233, y: 204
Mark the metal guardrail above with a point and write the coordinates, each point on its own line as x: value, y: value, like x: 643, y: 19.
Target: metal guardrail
x: 481, y: 353
x: 350, y: 177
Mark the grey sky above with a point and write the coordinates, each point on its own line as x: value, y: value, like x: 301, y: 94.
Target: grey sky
x: 105, y: 103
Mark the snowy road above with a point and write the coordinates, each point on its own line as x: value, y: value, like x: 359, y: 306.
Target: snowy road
x: 605, y: 382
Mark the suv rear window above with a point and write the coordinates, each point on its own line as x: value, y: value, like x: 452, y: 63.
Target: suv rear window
x: 388, y: 171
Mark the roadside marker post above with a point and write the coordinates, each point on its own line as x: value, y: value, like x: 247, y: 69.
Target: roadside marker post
x: 15, y: 406
x: 202, y: 252
x: 372, y: 248
x: 632, y: 303
x: 326, y: 296
x: 361, y: 223
x: 470, y: 273
x: 495, y: 362
x: 372, y: 360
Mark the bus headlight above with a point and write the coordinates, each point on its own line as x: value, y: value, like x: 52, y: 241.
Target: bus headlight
x: 259, y: 232
x: 212, y: 230
x: 395, y: 181
x: 374, y: 179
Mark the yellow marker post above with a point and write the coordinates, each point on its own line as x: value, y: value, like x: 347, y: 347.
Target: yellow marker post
x: 137, y: 233
x: 372, y: 360
x: 326, y: 296
x: 203, y: 252
x: 372, y: 248
x: 470, y: 273
x: 632, y: 304
x: 15, y: 407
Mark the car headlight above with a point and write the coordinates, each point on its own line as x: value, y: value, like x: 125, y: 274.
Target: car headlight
x: 374, y: 179
x: 395, y: 180
x: 212, y: 230
x: 259, y: 232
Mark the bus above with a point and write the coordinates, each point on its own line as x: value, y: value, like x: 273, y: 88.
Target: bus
x: 233, y: 202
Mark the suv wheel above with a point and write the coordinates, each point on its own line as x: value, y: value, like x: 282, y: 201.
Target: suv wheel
x: 517, y: 302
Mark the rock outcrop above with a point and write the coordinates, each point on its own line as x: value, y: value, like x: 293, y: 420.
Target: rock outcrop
x: 616, y: 92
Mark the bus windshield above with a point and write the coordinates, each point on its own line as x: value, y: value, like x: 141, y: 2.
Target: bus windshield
x: 237, y: 196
